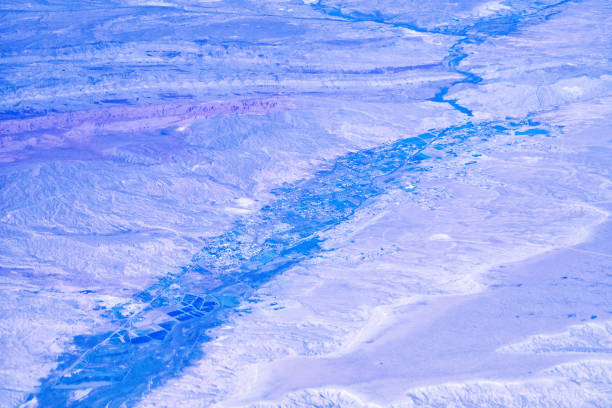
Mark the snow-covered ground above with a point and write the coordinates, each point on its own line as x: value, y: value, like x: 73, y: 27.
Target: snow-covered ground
x: 337, y: 203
